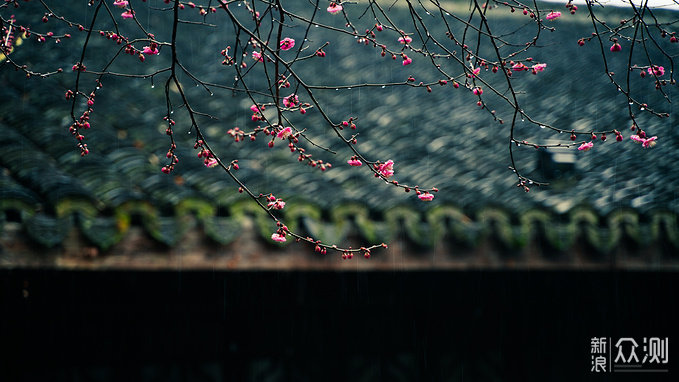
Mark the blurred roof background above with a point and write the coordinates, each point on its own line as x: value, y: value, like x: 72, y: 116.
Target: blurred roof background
x: 616, y: 191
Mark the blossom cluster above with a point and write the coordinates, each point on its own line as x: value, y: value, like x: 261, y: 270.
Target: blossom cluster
x: 275, y: 203
x: 386, y: 169
x: 645, y: 142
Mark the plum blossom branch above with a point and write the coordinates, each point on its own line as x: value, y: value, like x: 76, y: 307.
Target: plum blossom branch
x: 269, y: 45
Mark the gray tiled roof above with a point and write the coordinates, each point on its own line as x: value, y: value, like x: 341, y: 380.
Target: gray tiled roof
x: 438, y: 139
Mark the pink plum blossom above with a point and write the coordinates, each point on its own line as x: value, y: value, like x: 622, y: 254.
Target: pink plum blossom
x: 254, y: 108
x: 425, y: 196
x: 257, y: 56
x: 276, y: 204
x: 291, y: 101
x: 387, y: 168
x: 284, y: 133
x: 656, y: 70
x: 649, y: 142
x: 405, y: 39
x: 334, y: 8
x: 476, y: 71
x: 539, y: 67
x: 477, y: 91
x: 616, y: 47
x: 120, y: 3
x: 407, y: 60
x: 645, y: 142
x: 287, y: 43
x: 553, y: 15
x: 354, y: 162
x: 211, y: 162
x: 278, y: 237
x: 586, y: 146
x: 128, y: 14
x: 150, y: 50
x: 519, y: 67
